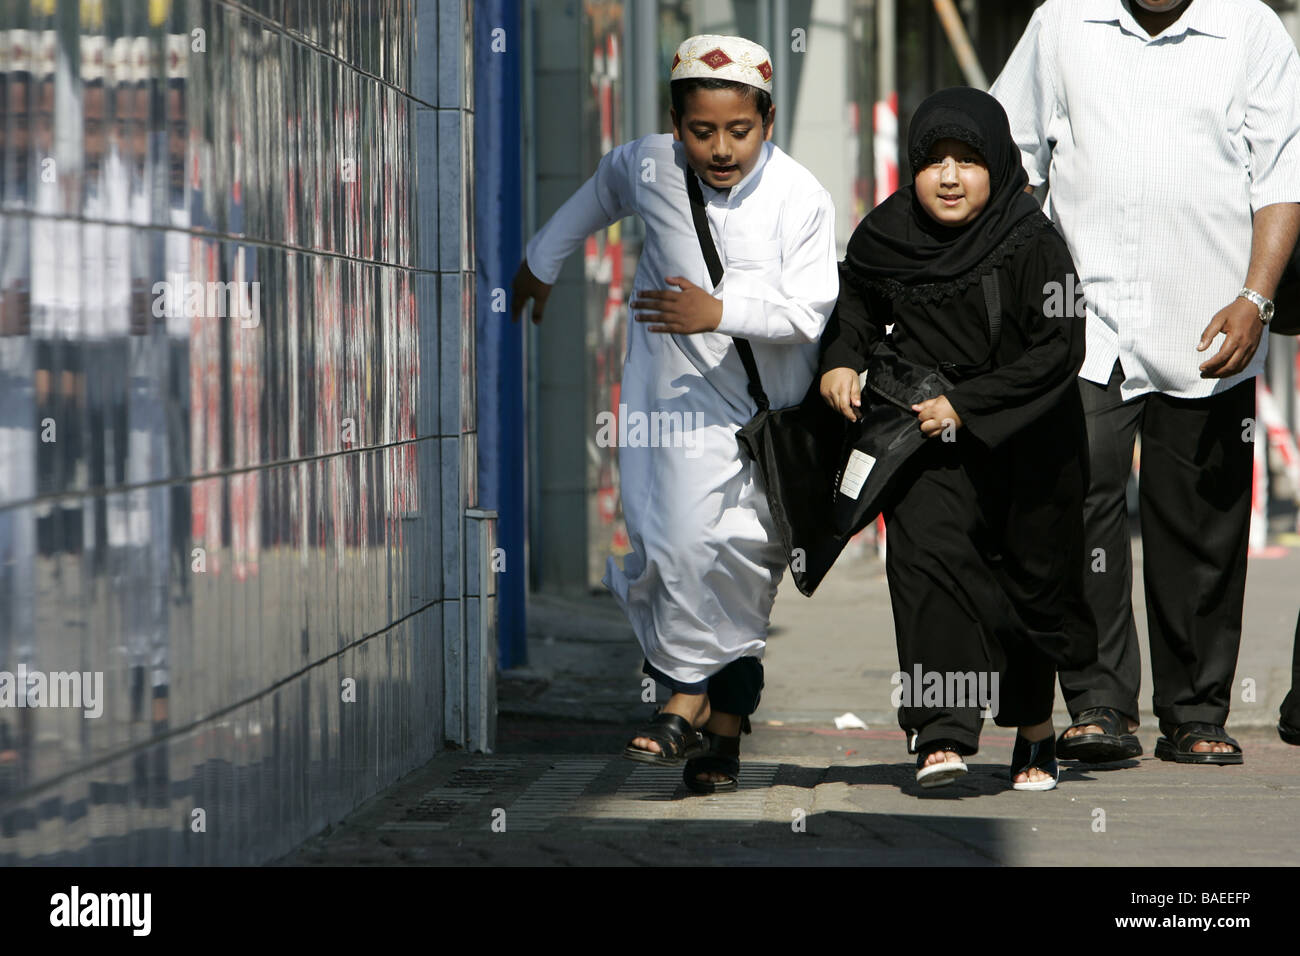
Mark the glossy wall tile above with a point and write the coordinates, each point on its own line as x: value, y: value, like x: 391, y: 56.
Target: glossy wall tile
x: 236, y: 420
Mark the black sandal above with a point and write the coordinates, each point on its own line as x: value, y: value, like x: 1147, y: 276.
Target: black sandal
x: 1110, y: 745
x: 723, y: 757
x: 1177, y: 744
x: 1034, y: 755
x: 676, y: 738
x: 1290, y: 735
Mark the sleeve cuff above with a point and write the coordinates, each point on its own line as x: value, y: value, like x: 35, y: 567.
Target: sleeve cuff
x: 1261, y: 198
x: 840, y: 354
x: 545, y: 270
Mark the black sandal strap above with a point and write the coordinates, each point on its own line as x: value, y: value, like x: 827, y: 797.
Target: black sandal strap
x: 667, y: 730
x: 1188, y: 735
x: 934, y: 746
x: 1033, y: 755
x: 722, y: 757
x: 720, y: 745
x: 713, y: 763
x: 1107, y: 718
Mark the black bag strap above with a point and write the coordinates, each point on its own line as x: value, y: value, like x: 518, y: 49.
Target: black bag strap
x: 993, y: 302
x: 700, y: 218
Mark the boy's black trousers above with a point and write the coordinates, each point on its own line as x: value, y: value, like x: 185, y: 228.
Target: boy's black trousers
x: 1194, y: 489
x: 735, y: 689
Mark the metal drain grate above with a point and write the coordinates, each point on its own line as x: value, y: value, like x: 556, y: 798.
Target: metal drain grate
x: 656, y: 794
x: 743, y: 808
x: 469, y: 786
x: 644, y: 797
x: 555, y: 792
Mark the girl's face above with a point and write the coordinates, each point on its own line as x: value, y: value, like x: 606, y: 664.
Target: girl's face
x: 953, y: 185
x: 722, y: 134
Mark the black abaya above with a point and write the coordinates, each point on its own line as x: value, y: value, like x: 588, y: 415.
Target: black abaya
x: 986, y: 555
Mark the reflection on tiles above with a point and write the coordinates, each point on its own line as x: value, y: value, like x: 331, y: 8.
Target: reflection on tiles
x: 233, y: 469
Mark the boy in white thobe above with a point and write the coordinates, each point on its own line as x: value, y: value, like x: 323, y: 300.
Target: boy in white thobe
x: 702, y: 574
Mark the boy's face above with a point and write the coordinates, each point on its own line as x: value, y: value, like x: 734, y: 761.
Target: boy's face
x: 722, y: 134
x: 953, y: 185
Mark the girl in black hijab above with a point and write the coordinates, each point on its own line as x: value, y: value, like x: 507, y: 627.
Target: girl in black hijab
x: 985, y: 552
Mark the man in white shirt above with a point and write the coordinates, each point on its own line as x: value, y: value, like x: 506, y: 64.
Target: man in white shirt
x: 1167, y: 133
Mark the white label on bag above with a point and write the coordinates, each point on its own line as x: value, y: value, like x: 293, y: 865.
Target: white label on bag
x: 855, y: 474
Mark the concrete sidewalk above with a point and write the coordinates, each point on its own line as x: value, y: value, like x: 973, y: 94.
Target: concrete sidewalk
x: 812, y: 797
x: 835, y: 653
x: 557, y: 792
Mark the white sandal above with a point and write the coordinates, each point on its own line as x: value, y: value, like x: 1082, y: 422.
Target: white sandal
x: 938, y: 774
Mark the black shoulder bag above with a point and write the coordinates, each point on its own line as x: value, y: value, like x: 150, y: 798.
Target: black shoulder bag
x: 1286, y: 301
x: 797, y: 450
x: 888, y: 433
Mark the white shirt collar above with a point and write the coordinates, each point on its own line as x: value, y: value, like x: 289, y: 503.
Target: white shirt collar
x: 738, y: 190
x: 1203, y: 16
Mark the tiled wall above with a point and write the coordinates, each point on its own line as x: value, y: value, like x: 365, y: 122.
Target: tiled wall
x: 253, y: 525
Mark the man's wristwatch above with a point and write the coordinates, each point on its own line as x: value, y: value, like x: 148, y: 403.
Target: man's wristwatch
x: 1264, y: 305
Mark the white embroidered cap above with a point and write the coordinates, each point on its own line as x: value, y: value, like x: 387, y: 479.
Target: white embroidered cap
x: 723, y: 58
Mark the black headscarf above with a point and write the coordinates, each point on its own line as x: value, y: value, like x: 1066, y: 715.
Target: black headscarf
x: 902, y: 252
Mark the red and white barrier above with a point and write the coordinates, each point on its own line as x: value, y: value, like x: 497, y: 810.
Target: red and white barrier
x: 1277, y: 437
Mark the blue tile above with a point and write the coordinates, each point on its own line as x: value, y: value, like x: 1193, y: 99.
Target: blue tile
x: 426, y: 227
x: 425, y: 531
x: 454, y: 43
x: 452, y: 511
x: 425, y: 52
x: 452, y: 355
x: 453, y: 678
x: 452, y: 199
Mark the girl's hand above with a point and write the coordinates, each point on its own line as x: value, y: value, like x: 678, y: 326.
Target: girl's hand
x: 840, y: 389
x: 686, y: 312
x: 528, y: 286
x: 936, y: 414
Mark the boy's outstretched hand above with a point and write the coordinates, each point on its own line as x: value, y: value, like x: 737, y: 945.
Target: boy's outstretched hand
x: 935, y: 414
x: 688, y: 311
x: 841, y: 391
x: 528, y: 286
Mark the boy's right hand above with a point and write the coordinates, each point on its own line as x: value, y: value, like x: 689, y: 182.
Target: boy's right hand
x: 840, y: 389
x: 528, y: 286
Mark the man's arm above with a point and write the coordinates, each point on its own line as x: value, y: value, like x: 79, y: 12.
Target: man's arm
x: 1272, y: 241
x: 1272, y: 130
x: 1026, y: 88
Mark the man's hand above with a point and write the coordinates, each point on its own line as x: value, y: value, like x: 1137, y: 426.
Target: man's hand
x: 528, y: 286
x: 1240, y: 322
x: 935, y: 414
x: 839, y: 388
x: 686, y: 312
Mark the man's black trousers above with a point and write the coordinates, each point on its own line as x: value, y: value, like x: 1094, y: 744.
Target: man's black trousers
x: 1194, y: 485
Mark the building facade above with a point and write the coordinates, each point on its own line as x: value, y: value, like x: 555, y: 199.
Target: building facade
x: 242, y: 557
